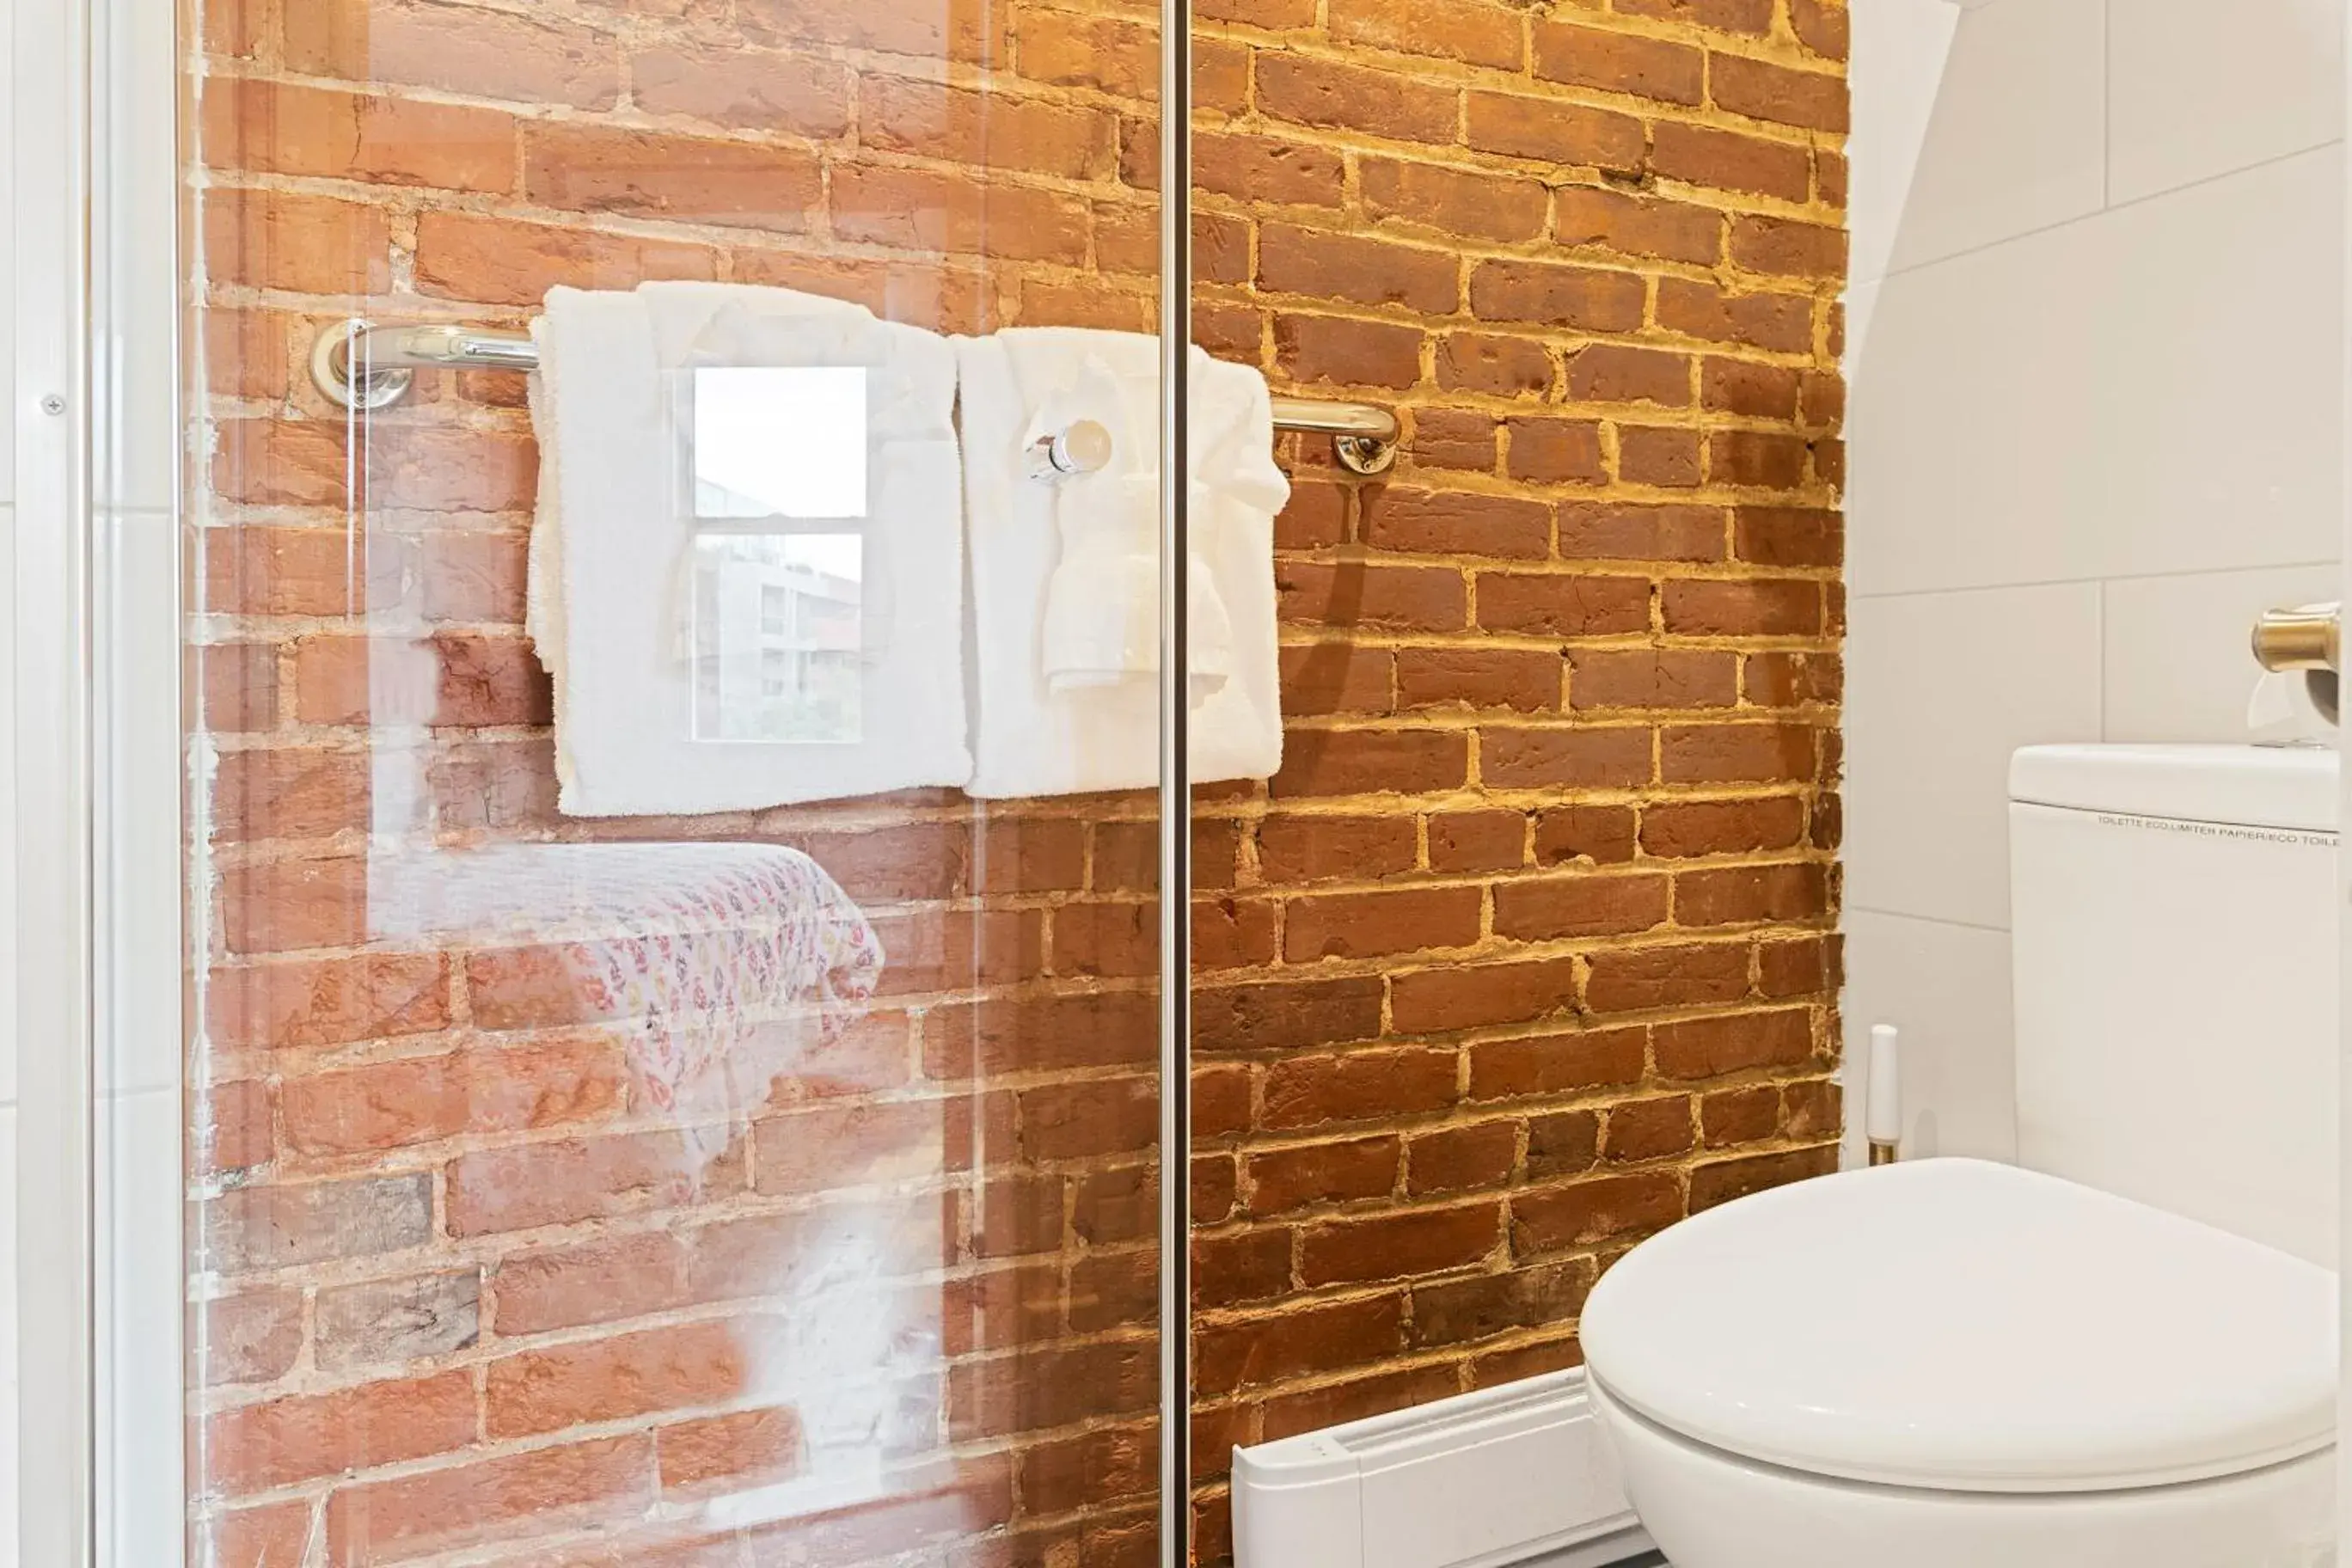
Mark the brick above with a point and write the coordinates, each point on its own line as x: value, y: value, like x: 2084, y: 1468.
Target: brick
x: 1768, y: 458
x: 1739, y: 1116
x: 628, y: 1374
x: 587, y: 1178
x: 1563, y: 1143
x: 1477, y: 841
x: 1452, y: 523
x: 1374, y: 925
x: 413, y: 468
x: 503, y: 261
x: 1524, y: 681
x: 1754, y: 607
x: 1557, y: 1063
x: 1251, y: 1266
x: 1396, y: 1245
x: 1547, y: 450
x: 255, y: 1228
x: 1681, y: 830
x: 256, y: 1448
x: 1779, y: 322
x: 1800, y: 967
x: 1087, y: 1119
x: 1743, y: 386
x: 592, y: 168
x: 1346, y: 353
x: 1290, y: 1014
x: 1736, y: 753
x: 1551, y: 131
x: 1664, y: 456
x: 1329, y: 1405
x: 1607, y: 1208
x: 232, y: 1129
x: 1311, y: 1091
x: 1821, y: 27
x: 440, y: 1509
x: 1612, y: 372
x: 1002, y: 1034
x: 1256, y: 1352
x: 1753, y: 17
x: 744, y: 1446
x: 1364, y: 271
x: 1713, y: 1047
x: 1789, y: 536
x: 237, y: 686
x: 252, y: 1337
x: 1643, y: 1129
x: 281, y: 128
x: 1455, y: 201
x: 1748, y: 894
x: 1497, y: 366
x: 1372, y: 761
x: 1262, y: 168
x: 386, y: 1321
x: 1641, y: 531
x: 1787, y: 249
x: 390, y: 1105
x: 1625, y: 980
x: 745, y: 89
x: 598, y: 1281
x: 1307, y: 90
x: 990, y: 130
x: 1553, y: 909
x: 1815, y: 100
x: 1592, y: 835
x: 1719, y: 1182
x: 328, y: 1001
x: 1454, y: 438
x: 1283, y: 1179
x: 1559, y: 605
x: 1461, y: 1311
x: 1550, y: 295
x: 918, y: 209
x: 1335, y: 678
x: 1472, y: 997
x: 1638, y: 226
x: 486, y: 53
x: 1299, y: 848
x: 1629, y: 63
x: 1652, y: 677
x: 1470, y: 31
x: 305, y: 244
x: 1613, y: 758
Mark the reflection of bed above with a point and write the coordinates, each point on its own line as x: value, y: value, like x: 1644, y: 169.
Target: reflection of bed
x: 698, y: 950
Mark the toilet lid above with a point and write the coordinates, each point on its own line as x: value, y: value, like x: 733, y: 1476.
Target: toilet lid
x: 1970, y: 1327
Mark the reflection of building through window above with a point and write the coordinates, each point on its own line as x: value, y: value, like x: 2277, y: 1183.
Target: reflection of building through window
x: 778, y: 637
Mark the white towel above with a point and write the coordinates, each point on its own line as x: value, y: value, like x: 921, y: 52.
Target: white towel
x: 1064, y: 689
x: 680, y: 643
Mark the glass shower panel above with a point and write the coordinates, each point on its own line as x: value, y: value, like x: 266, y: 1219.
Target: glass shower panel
x: 580, y: 1175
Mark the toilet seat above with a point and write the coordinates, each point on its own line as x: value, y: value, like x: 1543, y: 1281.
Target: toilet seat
x: 1958, y: 1326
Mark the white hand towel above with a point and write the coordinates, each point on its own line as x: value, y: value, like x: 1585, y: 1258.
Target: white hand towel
x: 697, y: 645
x: 1065, y: 578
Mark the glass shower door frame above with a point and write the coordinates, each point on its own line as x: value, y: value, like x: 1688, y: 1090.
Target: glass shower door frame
x: 94, y: 690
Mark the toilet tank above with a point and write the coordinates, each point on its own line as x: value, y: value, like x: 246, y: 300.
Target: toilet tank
x: 2174, y: 961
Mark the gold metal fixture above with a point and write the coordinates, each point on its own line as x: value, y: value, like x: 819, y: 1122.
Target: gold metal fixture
x: 1883, y: 1151
x: 2306, y: 639
x: 360, y: 364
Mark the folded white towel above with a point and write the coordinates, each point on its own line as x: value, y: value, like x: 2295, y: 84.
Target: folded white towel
x: 1065, y: 578
x: 706, y: 656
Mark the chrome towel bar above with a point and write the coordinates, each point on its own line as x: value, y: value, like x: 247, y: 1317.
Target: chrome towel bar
x: 387, y: 359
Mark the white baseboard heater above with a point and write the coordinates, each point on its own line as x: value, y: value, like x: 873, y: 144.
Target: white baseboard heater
x: 1516, y: 1475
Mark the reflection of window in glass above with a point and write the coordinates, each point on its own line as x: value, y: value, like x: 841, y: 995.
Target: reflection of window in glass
x: 786, y: 441
x: 778, y: 637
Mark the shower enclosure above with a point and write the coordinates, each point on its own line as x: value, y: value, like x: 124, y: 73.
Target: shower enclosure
x: 903, y: 1176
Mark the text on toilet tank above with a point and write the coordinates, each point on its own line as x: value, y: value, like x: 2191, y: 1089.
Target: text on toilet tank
x: 2220, y: 830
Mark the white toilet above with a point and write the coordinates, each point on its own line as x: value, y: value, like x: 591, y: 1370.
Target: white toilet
x: 2121, y: 1352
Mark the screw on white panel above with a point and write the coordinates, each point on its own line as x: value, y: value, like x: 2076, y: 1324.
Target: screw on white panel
x: 53, y: 404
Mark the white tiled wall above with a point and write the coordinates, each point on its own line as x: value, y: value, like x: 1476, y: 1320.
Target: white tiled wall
x: 2099, y: 427
x: 8, y: 1316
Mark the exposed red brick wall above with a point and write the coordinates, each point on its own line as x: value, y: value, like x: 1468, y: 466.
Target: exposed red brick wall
x: 1526, y: 953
